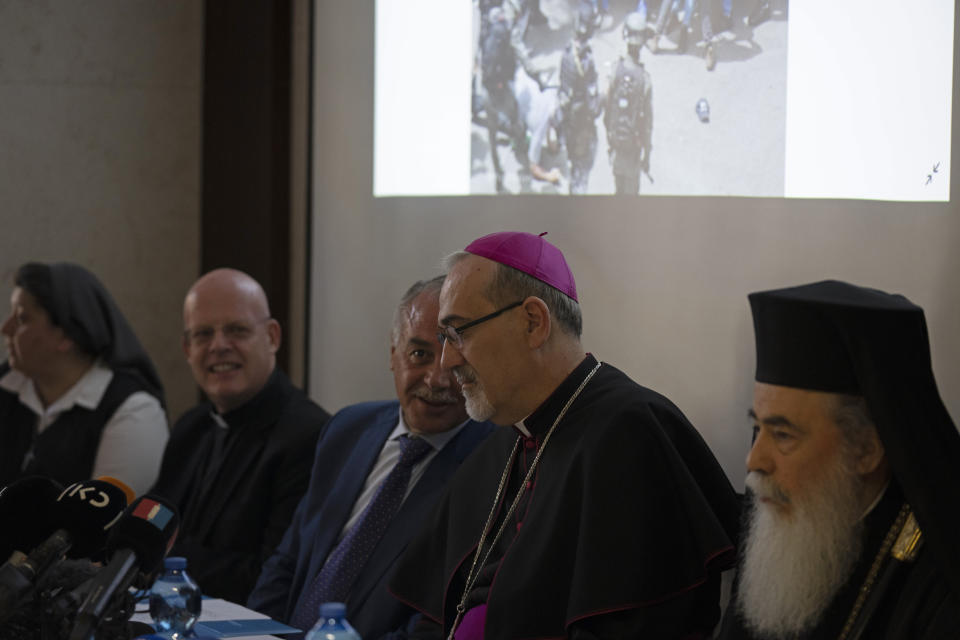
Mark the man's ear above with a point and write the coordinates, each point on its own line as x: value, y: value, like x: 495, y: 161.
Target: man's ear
x: 537, y: 321
x: 871, y: 454
x: 275, y: 333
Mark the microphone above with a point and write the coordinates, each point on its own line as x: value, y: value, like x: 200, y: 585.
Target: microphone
x: 27, y: 505
x: 88, y: 510
x: 84, y: 511
x: 137, y: 545
x: 128, y: 493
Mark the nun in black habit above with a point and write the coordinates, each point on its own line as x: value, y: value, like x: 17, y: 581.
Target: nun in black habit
x: 79, y: 396
x: 833, y: 338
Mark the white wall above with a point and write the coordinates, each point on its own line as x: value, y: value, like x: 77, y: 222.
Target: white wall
x: 100, y: 155
x: 662, y: 280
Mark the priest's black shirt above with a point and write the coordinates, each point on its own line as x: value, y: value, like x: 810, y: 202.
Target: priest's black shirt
x: 623, y: 531
x: 236, y: 485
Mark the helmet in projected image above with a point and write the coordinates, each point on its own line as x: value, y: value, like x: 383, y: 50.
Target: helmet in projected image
x: 703, y: 110
x: 583, y: 27
x: 635, y: 31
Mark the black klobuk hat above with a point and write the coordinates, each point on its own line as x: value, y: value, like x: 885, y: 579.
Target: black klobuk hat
x: 837, y: 337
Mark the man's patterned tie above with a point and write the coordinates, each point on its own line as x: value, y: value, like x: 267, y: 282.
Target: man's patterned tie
x: 343, y: 566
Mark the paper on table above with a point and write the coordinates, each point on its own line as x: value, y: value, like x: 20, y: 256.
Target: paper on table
x: 218, y: 609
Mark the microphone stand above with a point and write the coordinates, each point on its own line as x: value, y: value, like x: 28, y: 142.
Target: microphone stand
x: 101, y: 599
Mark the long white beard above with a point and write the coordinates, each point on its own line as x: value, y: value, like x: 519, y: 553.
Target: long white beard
x: 793, y: 566
x: 476, y: 403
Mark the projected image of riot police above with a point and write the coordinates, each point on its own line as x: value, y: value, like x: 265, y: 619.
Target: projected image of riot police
x: 588, y: 111
x: 499, y: 61
x: 579, y: 101
x: 628, y: 116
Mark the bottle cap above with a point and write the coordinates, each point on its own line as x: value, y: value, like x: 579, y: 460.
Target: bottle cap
x: 333, y: 610
x: 175, y: 562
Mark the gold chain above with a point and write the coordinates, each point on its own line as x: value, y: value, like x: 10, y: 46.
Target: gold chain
x: 471, y: 576
x: 871, y: 578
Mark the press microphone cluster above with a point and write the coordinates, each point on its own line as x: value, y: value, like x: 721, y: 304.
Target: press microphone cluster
x: 136, y: 546
x: 75, y: 525
x: 52, y: 586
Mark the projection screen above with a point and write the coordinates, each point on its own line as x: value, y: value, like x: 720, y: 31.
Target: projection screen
x: 826, y: 154
x: 818, y: 101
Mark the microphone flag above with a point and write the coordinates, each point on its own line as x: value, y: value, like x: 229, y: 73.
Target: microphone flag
x: 153, y: 512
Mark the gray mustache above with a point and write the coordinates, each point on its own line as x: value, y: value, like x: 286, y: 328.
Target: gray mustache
x: 439, y: 396
x: 464, y: 375
x: 764, y: 487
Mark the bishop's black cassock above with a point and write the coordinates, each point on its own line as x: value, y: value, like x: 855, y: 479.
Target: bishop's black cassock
x: 622, y: 532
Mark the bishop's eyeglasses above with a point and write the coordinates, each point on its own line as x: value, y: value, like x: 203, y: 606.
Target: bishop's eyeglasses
x: 453, y: 334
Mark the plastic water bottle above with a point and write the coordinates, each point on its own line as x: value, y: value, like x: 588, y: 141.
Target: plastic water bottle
x: 332, y: 624
x: 174, y: 600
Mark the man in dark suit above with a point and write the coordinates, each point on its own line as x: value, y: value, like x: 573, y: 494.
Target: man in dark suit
x: 236, y: 465
x: 334, y: 549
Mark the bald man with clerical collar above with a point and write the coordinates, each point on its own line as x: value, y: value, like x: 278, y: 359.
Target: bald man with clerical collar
x: 596, y: 510
x: 853, y: 475
x: 237, y: 463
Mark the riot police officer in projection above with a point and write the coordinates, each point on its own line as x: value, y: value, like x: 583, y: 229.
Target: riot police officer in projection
x: 629, y: 112
x: 499, y: 61
x: 579, y: 101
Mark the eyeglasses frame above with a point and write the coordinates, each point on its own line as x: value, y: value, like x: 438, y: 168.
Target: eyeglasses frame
x: 443, y: 336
